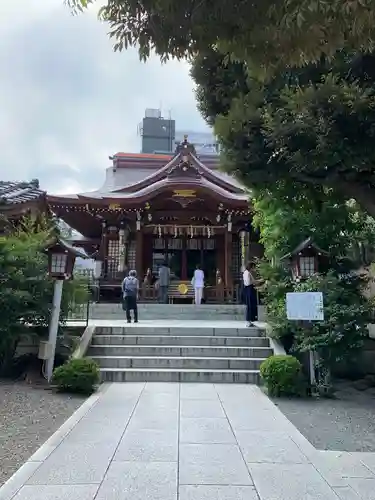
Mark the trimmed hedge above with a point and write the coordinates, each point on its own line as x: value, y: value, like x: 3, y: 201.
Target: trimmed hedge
x: 77, y: 376
x: 282, y: 375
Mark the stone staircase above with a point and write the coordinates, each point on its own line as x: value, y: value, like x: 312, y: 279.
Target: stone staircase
x: 150, y: 311
x: 192, y: 351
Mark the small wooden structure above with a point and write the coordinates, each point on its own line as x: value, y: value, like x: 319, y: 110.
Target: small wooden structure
x: 306, y: 259
x: 61, y: 258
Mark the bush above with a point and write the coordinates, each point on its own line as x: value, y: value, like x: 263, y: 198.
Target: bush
x: 282, y: 375
x: 77, y: 376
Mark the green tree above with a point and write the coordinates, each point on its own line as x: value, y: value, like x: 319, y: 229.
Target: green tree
x: 305, y: 129
x: 338, y: 226
x: 267, y: 32
x: 26, y: 290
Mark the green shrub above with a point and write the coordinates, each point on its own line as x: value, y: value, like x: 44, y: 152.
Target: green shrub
x: 282, y: 375
x: 77, y: 376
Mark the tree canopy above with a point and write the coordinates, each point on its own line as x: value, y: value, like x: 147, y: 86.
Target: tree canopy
x: 267, y: 32
x: 335, y: 225
x: 271, y: 33
x: 306, y: 128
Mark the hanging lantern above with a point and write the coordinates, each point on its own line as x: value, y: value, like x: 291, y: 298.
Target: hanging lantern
x: 243, y: 250
x: 229, y: 222
x: 138, y: 220
x: 121, y: 242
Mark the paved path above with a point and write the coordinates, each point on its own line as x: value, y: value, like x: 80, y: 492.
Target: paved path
x: 186, y: 442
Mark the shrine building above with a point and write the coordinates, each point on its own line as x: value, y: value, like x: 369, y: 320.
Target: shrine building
x: 155, y: 207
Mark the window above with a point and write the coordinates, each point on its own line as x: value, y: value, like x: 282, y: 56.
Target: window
x: 58, y: 263
x: 209, y: 244
x: 158, y: 243
x: 131, y: 255
x: 193, y: 244
x: 174, y: 244
x: 113, y: 256
x: 236, y: 260
x: 307, y: 266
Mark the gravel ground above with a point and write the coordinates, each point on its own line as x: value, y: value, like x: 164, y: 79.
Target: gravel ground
x: 28, y: 417
x: 346, y: 423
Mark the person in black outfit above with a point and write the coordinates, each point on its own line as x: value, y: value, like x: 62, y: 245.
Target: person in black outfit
x: 250, y: 294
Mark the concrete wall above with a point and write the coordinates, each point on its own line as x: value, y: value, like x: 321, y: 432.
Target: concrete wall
x: 29, y: 344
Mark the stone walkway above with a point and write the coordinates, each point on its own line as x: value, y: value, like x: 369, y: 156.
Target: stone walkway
x: 187, y: 442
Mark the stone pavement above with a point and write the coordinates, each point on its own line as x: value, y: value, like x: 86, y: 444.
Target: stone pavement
x: 152, y: 441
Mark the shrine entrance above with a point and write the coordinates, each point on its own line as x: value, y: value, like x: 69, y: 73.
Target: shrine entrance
x: 183, y: 254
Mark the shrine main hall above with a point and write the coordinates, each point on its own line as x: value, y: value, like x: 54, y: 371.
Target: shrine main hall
x: 155, y: 207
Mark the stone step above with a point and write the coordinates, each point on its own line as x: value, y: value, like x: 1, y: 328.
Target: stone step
x: 185, y: 340
x: 224, y: 308
x: 178, y: 375
x: 187, y: 315
x: 199, y: 351
x: 180, y: 331
x: 151, y: 317
x: 178, y: 362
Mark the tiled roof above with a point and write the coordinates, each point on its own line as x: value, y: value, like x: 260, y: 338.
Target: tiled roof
x: 12, y: 193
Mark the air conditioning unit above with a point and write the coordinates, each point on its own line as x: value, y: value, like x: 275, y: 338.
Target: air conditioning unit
x: 45, y: 350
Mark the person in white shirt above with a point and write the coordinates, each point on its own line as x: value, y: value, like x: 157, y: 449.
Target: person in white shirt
x: 250, y: 295
x: 198, y: 284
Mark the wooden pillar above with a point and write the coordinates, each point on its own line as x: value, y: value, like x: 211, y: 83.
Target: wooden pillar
x: 184, y: 275
x: 104, y: 249
x: 228, y: 259
x: 139, y: 254
x: 147, y: 253
x: 220, y: 254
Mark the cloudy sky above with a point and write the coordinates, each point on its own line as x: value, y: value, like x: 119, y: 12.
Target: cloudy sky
x: 67, y: 101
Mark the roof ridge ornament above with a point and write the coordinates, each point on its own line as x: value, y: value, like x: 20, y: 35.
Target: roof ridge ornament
x: 185, y: 148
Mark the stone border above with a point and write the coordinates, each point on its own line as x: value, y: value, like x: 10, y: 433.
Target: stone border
x: 11, y: 487
x: 84, y: 342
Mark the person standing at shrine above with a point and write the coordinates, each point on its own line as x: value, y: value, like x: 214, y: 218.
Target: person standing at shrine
x: 163, y: 282
x: 250, y: 294
x: 198, y: 284
x: 130, y: 289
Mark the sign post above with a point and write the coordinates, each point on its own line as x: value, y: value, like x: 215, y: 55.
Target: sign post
x: 305, y: 307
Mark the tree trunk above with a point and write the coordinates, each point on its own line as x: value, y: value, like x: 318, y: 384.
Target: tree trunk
x: 7, y: 358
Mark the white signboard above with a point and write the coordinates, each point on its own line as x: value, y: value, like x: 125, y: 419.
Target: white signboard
x: 305, y: 306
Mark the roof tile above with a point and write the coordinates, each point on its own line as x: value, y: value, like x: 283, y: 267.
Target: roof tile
x: 13, y: 193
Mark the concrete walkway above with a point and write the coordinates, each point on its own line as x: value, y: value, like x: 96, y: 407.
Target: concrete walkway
x: 187, y: 442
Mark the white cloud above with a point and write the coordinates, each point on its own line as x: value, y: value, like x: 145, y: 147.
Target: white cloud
x: 67, y: 101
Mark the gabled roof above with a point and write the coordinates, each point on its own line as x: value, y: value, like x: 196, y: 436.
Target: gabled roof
x: 184, y: 168
x: 307, y: 243
x: 58, y: 241
x: 184, y: 165
x: 13, y: 193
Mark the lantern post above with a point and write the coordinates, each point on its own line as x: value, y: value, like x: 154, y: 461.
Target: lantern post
x: 61, y: 259
x: 304, y: 261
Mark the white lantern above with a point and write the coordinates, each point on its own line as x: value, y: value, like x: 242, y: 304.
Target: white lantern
x: 59, y: 263
x: 98, y: 269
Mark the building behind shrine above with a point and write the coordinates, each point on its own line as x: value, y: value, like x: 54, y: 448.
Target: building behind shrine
x: 156, y: 207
